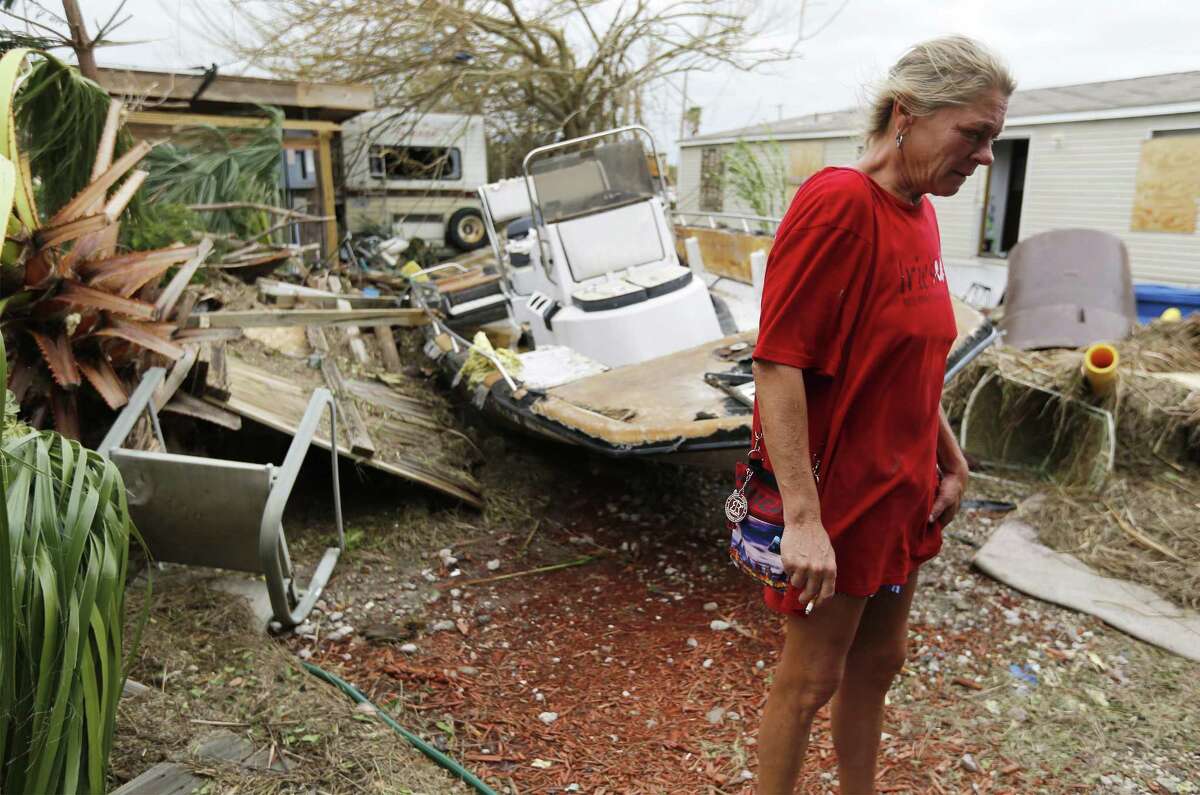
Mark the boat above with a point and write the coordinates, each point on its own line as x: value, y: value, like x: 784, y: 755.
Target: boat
x: 590, y: 329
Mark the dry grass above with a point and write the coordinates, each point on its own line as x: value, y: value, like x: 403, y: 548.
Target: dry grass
x: 210, y: 670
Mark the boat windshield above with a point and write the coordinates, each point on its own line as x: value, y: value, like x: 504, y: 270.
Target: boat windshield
x: 579, y: 183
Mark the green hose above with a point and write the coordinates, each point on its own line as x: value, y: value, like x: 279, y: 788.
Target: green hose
x: 424, y: 747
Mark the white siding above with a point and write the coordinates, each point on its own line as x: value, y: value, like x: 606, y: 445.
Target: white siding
x: 1084, y: 175
x: 687, y: 187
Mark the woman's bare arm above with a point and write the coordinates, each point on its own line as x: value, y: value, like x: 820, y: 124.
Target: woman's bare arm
x: 783, y: 411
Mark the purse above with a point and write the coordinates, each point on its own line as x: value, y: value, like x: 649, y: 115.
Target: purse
x: 754, y: 540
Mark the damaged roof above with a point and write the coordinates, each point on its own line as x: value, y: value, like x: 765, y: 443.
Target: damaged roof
x: 1109, y: 98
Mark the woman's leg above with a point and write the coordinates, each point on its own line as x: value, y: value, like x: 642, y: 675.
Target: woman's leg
x: 807, y: 676
x: 875, y: 657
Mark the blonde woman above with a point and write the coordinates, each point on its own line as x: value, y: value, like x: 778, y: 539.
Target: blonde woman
x: 854, y: 459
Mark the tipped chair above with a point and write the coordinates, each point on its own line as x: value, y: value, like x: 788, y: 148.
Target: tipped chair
x: 224, y: 514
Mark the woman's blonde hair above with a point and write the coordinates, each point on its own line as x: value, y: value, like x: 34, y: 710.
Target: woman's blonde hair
x: 951, y: 70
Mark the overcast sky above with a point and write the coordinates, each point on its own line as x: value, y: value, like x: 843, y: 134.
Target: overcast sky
x: 1045, y: 43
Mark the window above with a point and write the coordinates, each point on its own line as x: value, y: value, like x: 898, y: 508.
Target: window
x: 1168, y: 182
x: 712, y: 180
x: 416, y: 162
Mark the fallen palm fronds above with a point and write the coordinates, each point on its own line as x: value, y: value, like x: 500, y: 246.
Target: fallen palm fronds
x: 76, y: 309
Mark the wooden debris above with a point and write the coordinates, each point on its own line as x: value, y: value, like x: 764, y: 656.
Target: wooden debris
x: 173, y: 290
x: 356, y: 429
x: 357, y: 346
x: 307, y: 317
x: 190, y: 406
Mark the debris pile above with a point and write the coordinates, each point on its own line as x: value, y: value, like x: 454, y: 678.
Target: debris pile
x: 1133, y: 516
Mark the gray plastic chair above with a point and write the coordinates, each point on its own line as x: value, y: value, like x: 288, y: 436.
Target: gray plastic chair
x: 224, y: 514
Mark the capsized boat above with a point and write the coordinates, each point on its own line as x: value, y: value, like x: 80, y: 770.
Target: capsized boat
x: 588, y: 328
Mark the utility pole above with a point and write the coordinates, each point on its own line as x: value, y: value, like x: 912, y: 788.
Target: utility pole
x: 84, y: 46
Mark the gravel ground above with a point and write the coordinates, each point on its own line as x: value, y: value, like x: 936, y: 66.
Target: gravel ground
x: 640, y: 663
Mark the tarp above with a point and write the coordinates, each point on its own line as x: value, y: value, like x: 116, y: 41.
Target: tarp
x: 1014, y: 556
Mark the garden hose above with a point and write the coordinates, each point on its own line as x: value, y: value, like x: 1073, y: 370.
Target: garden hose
x: 424, y: 747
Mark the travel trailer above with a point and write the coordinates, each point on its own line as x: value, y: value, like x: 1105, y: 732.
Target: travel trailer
x: 416, y: 177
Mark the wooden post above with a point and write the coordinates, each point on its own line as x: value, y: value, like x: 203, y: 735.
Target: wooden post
x: 325, y: 185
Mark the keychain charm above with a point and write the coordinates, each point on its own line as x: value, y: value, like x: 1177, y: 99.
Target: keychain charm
x: 736, y: 506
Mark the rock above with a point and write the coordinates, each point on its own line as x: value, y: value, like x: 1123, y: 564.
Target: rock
x: 968, y: 763
x: 493, y: 564
x: 692, y: 643
x: 715, y: 714
x: 444, y: 625
x: 539, y: 697
x: 708, y: 663
x: 336, y: 616
x: 760, y: 665
x: 366, y: 708
x: 456, y: 592
x: 548, y: 717
x: 307, y: 628
x: 1167, y: 783
x: 409, y: 648
x: 719, y: 626
x: 468, y: 670
x: 710, y: 607
x: 483, y: 619
x: 340, y: 634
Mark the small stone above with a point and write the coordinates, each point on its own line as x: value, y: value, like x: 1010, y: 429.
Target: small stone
x: 305, y: 654
x: 708, y: 663
x: 409, y: 648
x: 444, y: 625
x: 548, y: 717
x: 468, y: 670
x: 1167, y: 783
x: 493, y: 564
x: 307, y: 628
x: 692, y: 643
x: 539, y: 697
x: 719, y: 626
x: 366, y: 708
x: 715, y: 714
x: 336, y: 617
x: 760, y: 665
x: 483, y: 619
x: 968, y: 763
x: 710, y: 607
x: 456, y: 592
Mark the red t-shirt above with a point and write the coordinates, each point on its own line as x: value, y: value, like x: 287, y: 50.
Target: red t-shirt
x: 855, y: 295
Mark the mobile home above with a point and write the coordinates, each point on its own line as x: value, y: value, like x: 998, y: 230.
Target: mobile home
x: 1120, y: 156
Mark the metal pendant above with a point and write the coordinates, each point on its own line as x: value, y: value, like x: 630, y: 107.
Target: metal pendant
x: 736, y: 507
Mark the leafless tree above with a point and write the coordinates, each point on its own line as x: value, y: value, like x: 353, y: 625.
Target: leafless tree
x: 537, y: 70
x: 45, y: 31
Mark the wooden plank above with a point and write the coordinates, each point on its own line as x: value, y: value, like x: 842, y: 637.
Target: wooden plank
x: 326, y: 187
x: 356, y: 428
x: 174, y: 289
x: 191, y: 406
x: 218, y: 373
x: 269, y: 288
x: 387, y: 348
x: 165, y: 778
x: 184, y: 120
x: 308, y: 317
x: 279, y: 403
x: 175, y: 378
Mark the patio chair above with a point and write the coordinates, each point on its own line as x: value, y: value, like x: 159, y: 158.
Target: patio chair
x: 224, y: 514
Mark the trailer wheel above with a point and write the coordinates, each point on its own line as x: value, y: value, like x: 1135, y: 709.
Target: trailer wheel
x: 465, y: 230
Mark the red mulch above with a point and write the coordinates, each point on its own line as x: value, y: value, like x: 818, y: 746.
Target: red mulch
x: 609, y: 652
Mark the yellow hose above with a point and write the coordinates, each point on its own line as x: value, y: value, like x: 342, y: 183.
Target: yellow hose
x: 1100, y: 368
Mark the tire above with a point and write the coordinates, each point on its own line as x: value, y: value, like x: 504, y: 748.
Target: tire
x: 465, y: 229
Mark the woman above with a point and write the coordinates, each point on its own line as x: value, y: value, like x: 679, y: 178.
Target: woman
x: 856, y: 324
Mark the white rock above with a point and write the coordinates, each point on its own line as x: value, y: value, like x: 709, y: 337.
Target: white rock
x: 708, y: 663
x: 760, y: 665
x: 715, y: 714
x: 445, y: 625
x: 719, y: 626
x: 692, y: 643
x: 456, y: 592
x: 336, y: 617
x: 539, y: 697
x: 968, y: 762
x: 409, y: 648
x: 493, y: 564
x: 305, y: 654
x: 710, y: 607
x: 366, y: 709
x: 548, y: 717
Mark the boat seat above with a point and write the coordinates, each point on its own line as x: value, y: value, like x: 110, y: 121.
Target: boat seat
x: 220, y: 513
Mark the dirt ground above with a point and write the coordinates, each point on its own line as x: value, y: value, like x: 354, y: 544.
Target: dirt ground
x: 641, y: 661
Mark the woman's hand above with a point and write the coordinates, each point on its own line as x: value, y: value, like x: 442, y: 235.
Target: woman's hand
x: 809, y: 560
x: 949, y: 497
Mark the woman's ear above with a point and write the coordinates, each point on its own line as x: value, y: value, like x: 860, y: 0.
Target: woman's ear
x: 903, y: 117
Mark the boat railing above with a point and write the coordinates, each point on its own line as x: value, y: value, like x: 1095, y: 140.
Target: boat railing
x: 726, y: 220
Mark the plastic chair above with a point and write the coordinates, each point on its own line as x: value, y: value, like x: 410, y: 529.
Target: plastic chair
x: 224, y: 514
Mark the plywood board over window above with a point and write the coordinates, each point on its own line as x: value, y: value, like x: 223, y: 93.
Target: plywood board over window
x: 804, y: 158
x: 1168, y: 184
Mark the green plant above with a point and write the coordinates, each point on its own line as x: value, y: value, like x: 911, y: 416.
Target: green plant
x: 159, y: 226
x: 758, y: 178
x: 64, y: 542
x: 208, y: 165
